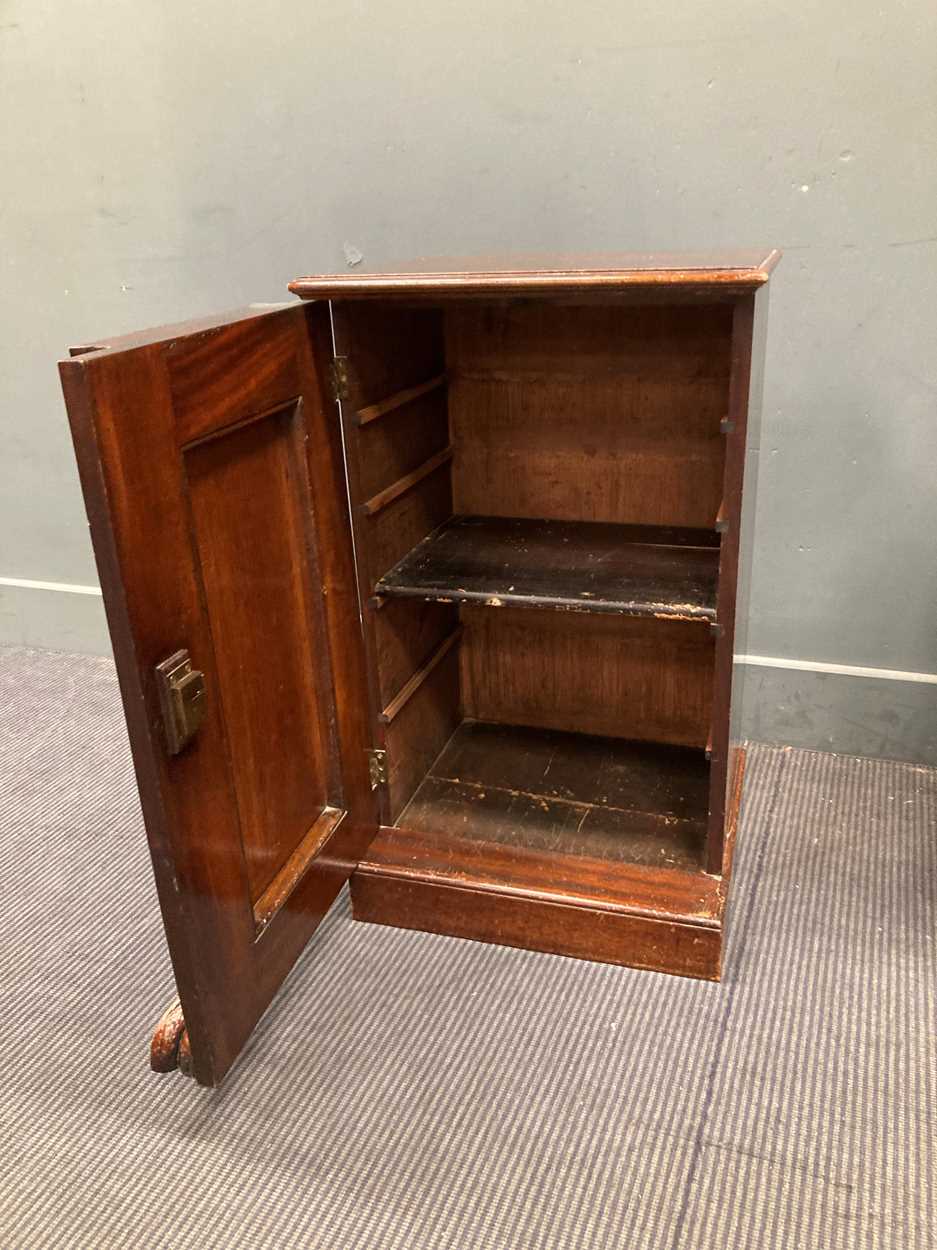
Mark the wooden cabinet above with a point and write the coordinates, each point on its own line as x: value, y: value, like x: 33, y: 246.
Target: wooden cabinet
x: 430, y: 581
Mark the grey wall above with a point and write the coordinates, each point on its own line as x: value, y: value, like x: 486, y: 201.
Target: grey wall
x: 166, y: 160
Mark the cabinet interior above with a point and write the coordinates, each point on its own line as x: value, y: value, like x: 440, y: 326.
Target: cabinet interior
x: 536, y: 491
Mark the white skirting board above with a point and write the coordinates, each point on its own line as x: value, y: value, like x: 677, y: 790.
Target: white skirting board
x: 881, y: 713
x: 57, y: 615
x: 845, y: 708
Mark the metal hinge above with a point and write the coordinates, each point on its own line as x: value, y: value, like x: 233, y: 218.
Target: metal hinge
x: 340, y: 378
x: 377, y: 768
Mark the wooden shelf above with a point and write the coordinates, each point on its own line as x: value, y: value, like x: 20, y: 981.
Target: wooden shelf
x: 632, y: 570
x: 567, y: 794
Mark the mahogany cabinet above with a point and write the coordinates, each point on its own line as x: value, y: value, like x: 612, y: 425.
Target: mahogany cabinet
x: 430, y: 581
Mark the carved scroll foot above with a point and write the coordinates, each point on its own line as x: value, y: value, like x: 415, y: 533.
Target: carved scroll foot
x: 169, y: 1048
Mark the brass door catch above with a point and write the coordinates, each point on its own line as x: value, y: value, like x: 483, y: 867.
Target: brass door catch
x: 181, y: 698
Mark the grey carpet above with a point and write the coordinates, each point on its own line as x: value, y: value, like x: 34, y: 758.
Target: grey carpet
x: 411, y: 1092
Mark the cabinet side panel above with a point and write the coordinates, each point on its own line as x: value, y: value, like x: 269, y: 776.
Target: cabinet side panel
x: 747, y: 529
x: 395, y: 423
x: 407, y: 633
x: 398, y: 442
x: 388, y: 535
x: 420, y: 731
x: 748, y: 332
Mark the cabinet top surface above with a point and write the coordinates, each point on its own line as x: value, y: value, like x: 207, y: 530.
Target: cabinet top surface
x: 740, y: 270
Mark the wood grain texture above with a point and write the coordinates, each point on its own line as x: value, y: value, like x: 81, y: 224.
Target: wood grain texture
x: 733, y: 813
x: 667, y: 920
x: 389, y: 350
x: 390, y: 448
x: 229, y: 374
x: 726, y: 645
x: 279, y: 748
x: 151, y: 551
x: 390, y: 533
x: 589, y: 414
x: 502, y: 918
x: 406, y: 633
x: 573, y: 566
x: 648, y: 680
x: 296, y: 865
x: 393, y: 492
x: 413, y: 683
x: 567, y: 794
x: 555, y: 272
x: 401, y: 399
x: 421, y: 729
x: 663, y: 893
x: 744, y: 524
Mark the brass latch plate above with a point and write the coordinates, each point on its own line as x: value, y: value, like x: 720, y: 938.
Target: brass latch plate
x: 181, y: 698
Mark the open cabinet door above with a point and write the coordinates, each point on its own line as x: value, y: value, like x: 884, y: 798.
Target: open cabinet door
x: 211, y: 462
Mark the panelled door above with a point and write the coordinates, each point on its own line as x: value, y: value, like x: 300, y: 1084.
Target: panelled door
x: 211, y: 462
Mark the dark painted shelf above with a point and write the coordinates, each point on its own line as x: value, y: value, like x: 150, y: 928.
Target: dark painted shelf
x: 632, y: 570
x: 567, y: 794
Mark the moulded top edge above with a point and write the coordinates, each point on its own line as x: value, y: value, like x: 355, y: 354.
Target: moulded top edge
x: 734, y: 269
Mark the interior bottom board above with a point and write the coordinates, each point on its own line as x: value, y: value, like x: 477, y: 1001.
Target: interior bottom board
x: 567, y: 793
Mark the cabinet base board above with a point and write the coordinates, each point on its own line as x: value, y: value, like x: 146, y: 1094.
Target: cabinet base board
x: 676, y: 927
x: 557, y: 929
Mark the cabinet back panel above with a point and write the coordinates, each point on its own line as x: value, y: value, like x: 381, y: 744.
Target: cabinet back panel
x: 254, y: 562
x: 624, y: 677
x: 589, y: 413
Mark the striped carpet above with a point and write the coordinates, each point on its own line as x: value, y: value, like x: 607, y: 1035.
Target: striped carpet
x: 410, y: 1092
